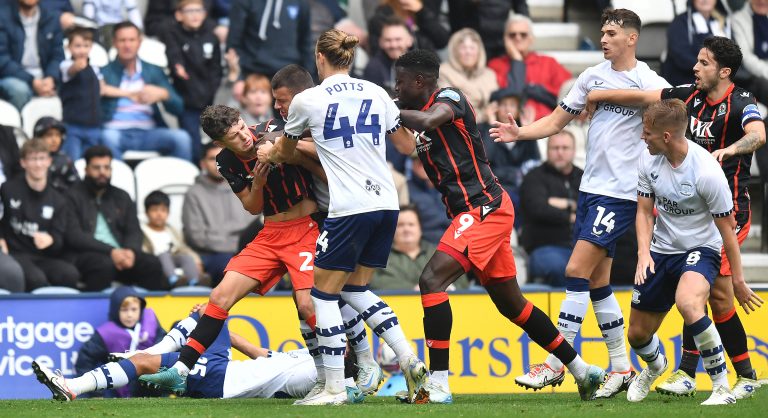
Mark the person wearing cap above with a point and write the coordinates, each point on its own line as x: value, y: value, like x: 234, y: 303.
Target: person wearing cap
x: 62, y: 172
x: 510, y: 161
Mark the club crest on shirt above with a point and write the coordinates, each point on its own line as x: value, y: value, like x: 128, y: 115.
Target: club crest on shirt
x: 449, y: 94
x: 47, y: 212
x: 686, y: 189
x: 721, y: 109
x: 15, y: 203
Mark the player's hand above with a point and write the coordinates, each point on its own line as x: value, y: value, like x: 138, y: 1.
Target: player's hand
x: 196, y: 308
x: 260, y: 173
x: 181, y: 71
x: 3, y: 246
x: 747, y: 298
x: 723, y: 154
x: 505, y: 132
x: 644, y: 263
x: 42, y: 240
x: 263, y: 152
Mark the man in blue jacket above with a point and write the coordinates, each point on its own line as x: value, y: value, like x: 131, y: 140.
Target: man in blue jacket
x: 130, y: 93
x: 30, y: 52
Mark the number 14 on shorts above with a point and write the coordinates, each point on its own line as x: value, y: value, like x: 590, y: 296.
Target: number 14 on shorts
x: 604, y: 219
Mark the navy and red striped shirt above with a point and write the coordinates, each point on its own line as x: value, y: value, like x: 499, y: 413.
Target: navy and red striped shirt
x: 286, y: 184
x: 454, y: 157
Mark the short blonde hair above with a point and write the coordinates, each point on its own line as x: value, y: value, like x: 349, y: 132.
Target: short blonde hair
x: 669, y: 114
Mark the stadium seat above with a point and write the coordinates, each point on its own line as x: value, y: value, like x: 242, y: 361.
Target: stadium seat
x: 122, y: 176
x: 9, y: 116
x: 652, y: 45
x: 191, y: 290
x: 98, y: 55
x: 36, y: 109
x: 151, y: 51
x: 4, y: 292
x: 653, y: 11
x: 576, y: 61
x: 546, y: 10
x: 556, y: 36
x: 169, y: 174
x: 55, y: 290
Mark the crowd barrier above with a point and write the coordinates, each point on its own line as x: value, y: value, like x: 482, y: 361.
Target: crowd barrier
x: 487, y: 351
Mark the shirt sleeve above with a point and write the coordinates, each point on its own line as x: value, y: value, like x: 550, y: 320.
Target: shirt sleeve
x: 453, y: 100
x: 748, y: 109
x: 655, y: 82
x: 298, y: 117
x: 680, y: 92
x: 576, y: 98
x: 713, y: 187
x: 236, y: 183
x: 644, y: 188
x: 393, y: 114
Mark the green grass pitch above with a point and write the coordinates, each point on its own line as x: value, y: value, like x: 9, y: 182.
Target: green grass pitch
x: 531, y: 405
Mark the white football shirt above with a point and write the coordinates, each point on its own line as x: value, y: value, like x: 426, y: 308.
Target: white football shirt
x: 292, y: 373
x: 349, y: 119
x: 687, y: 198
x: 613, y: 142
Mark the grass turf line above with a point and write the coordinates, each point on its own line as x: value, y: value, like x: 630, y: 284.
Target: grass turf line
x: 533, y: 405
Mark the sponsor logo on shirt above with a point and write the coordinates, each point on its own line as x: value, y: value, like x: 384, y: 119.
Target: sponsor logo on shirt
x: 372, y: 186
x: 701, y: 131
x: 624, y: 111
x: 423, y: 142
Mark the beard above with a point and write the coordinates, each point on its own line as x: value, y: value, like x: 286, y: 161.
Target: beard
x: 96, y: 184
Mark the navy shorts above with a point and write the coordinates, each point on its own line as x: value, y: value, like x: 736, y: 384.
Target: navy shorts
x: 363, y: 238
x: 602, y: 220
x: 657, y: 294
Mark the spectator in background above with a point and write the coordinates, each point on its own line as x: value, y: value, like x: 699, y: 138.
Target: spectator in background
x: 62, y: 172
x: 161, y: 14
x: 108, y: 13
x: 30, y: 52
x: 329, y: 14
x: 548, y: 203
x: 408, y: 256
x: 103, y: 234
x: 64, y: 9
x: 80, y: 95
x: 421, y: 17
x: 702, y: 19
x: 487, y: 17
x: 750, y: 31
x: 395, y: 40
x: 539, y: 77
x: 512, y: 160
x: 131, y: 91
x: 428, y: 201
x: 268, y: 35
x: 213, y: 216
x: 256, y: 104
x: 130, y: 326
x: 194, y: 58
x: 11, y: 274
x: 34, y: 221
x: 180, y: 263
x: 466, y: 71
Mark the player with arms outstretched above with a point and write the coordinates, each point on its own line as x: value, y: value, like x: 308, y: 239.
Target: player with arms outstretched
x: 349, y: 120
x: 724, y: 119
x: 607, y: 198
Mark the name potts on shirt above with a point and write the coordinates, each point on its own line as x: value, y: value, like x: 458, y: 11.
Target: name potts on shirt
x: 344, y: 86
x: 670, y: 206
x: 624, y: 111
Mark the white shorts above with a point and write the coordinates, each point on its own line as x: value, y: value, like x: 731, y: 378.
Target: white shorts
x: 292, y: 374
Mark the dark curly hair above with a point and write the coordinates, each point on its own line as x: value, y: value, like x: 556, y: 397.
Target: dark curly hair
x: 621, y: 17
x: 420, y: 61
x: 726, y: 52
x: 217, y: 119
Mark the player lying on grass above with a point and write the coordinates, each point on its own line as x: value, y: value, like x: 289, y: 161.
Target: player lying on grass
x: 267, y: 374
x: 679, y: 257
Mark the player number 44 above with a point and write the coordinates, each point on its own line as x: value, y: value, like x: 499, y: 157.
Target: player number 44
x: 346, y: 130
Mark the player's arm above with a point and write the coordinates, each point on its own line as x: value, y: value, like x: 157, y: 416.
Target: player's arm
x: 403, y: 140
x: 754, y: 138
x: 281, y: 152
x: 307, y: 146
x: 746, y: 296
x: 428, y: 120
x: 624, y: 97
x: 244, y: 346
x: 644, y: 226
x: 542, y: 128
x: 252, y: 197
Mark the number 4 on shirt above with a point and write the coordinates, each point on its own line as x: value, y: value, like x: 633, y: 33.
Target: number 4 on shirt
x: 345, y: 130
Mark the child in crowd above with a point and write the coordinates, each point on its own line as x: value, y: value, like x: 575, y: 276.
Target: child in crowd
x: 180, y: 263
x: 131, y: 326
x: 256, y: 104
x: 80, y: 95
x: 194, y: 58
x: 62, y: 173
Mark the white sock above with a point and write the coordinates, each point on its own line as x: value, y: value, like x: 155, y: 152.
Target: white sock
x: 310, y: 340
x: 711, y: 348
x: 355, y: 327
x: 572, y: 312
x: 331, y: 338
x: 109, y: 376
x: 175, y: 338
x: 651, y: 354
x: 350, y: 382
x: 181, y: 368
x: 611, y: 322
x: 379, y: 317
x: 578, y: 368
x: 440, y: 376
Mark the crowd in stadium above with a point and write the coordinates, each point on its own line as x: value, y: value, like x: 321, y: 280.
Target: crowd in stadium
x: 220, y: 51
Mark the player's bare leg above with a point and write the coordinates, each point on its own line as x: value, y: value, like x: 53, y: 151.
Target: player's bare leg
x: 384, y: 323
